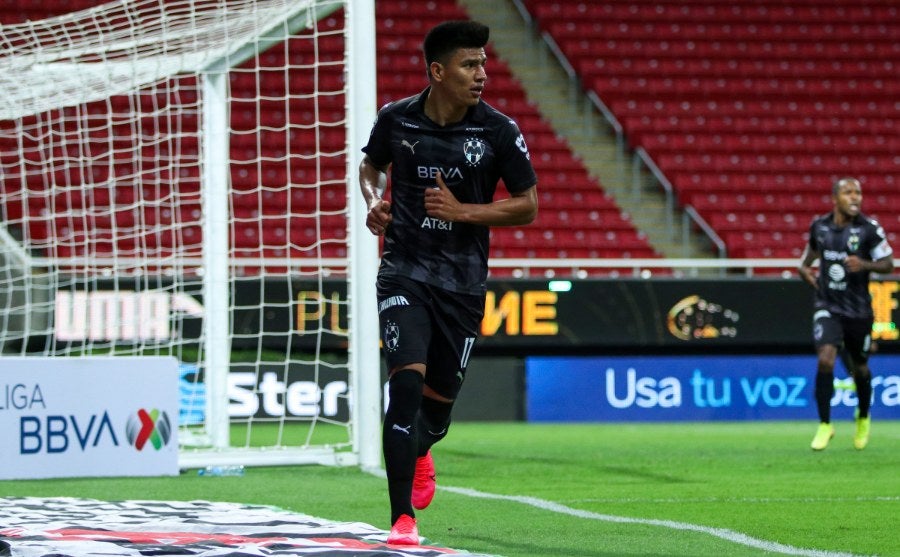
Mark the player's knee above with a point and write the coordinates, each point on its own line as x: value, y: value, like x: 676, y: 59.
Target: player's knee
x: 436, y: 416
x: 825, y: 365
x: 405, y: 394
x: 437, y: 412
x: 862, y: 371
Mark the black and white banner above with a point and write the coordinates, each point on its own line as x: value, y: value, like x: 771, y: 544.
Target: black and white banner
x: 67, y: 527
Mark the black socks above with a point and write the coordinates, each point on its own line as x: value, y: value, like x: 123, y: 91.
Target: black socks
x: 433, y: 421
x: 864, y: 393
x: 400, y: 438
x: 824, y: 392
x: 412, y: 424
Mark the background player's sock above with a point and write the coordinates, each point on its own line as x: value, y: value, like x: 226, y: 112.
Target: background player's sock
x: 824, y: 392
x: 864, y: 393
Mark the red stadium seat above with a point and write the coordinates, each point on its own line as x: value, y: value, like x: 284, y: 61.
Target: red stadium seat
x: 750, y: 108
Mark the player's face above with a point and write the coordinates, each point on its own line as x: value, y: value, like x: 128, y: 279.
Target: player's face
x: 464, y: 76
x: 848, y: 199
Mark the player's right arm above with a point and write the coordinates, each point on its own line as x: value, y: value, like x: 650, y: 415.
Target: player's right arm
x: 372, y: 184
x: 805, y: 269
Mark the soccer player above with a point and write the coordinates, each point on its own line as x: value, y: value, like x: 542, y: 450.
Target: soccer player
x: 446, y: 149
x: 849, y: 246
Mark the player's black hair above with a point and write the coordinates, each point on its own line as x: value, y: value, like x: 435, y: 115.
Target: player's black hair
x: 836, y: 186
x: 445, y: 38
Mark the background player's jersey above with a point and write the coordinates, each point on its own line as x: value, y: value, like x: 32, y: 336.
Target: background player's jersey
x: 471, y: 156
x: 840, y: 291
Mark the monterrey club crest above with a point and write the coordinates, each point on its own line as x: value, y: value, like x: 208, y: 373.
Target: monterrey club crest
x: 853, y: 241
x: 473, y: 149
x: 391, y: 336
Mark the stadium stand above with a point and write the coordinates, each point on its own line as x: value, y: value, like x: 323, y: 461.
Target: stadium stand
x: 751, y: 108
x: 577, y: 218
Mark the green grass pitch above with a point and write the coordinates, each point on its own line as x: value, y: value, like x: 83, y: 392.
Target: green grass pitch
x: 597, y: 490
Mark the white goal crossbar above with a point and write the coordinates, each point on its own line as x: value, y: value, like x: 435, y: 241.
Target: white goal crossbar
x: 97, y: 53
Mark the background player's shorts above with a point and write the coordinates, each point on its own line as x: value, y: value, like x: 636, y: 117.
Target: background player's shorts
x: 424, y: 324
x: 854, y: 335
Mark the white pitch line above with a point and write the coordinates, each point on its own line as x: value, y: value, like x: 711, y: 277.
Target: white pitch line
x: 723, y: 533
x: 748, y: 500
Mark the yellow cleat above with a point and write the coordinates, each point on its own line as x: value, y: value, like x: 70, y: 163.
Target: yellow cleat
x: 823, y: 436
x: 861, y: 437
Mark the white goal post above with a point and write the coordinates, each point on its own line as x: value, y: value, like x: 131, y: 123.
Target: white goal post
x: 178, y: 177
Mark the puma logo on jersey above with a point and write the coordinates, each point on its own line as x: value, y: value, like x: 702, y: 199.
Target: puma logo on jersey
x: 403, y: 429
x: 412, y: 147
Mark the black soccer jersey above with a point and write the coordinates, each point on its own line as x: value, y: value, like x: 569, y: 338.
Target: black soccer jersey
x: 840, y: 291
x: 472, y: 156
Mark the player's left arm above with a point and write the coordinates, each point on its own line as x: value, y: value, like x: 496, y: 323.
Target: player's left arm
x: 520, y: 208
x: 854, y: 263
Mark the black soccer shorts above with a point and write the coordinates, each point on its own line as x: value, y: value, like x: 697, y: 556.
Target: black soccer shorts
x: 421, y: 323
x: 854, y: 335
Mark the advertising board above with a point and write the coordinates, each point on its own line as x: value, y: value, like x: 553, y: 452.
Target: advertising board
x: 694, y: 388
x: 73, y: 417
x: 521, y: 316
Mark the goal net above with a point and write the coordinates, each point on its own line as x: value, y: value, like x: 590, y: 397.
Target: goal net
x: 177, y: 178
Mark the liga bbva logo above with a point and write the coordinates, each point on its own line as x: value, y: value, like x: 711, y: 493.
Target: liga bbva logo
x: 153, y: 427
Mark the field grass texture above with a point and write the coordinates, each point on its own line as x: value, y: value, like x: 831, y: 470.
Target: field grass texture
x: 592, y: 490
